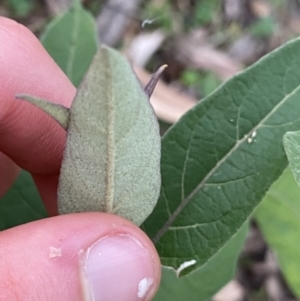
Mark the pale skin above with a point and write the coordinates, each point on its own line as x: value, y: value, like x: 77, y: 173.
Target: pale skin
x: 35, y: 142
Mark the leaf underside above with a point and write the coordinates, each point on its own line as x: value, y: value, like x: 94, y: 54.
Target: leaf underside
x: 112, y: 157
x: 219, y: 159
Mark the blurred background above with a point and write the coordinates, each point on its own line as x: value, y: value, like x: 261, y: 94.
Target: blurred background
x: 204, y: 43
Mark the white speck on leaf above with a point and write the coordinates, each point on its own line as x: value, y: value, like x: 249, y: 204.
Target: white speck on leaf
x: 144, y: 286
x: 54, y: 252
x: 251, y: 137
x: 185, y: 265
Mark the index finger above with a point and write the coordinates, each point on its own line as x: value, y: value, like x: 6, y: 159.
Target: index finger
x: 30, y: 137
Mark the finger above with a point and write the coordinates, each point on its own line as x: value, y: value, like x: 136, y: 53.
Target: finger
x: 84, y: 256
x: 30, y: 137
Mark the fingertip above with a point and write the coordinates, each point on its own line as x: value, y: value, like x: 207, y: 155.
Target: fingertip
x: 76, y: 256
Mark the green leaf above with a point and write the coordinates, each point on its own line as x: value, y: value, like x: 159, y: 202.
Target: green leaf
x: 206, y: 281
x: 263, y: 27
x: 279, y: 219
x: 20, y: 8
x: 111, y: 160
x: 71, y: 41
x: 21, y: 204
x: 220, y: 158
x: 291, y: 141
x: 205, y: 11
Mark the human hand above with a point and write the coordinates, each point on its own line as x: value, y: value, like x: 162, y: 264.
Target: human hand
x: 84, y: 256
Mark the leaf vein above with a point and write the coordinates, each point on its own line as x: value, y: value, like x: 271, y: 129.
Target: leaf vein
x: 70, y: 62
x: 184, y: 166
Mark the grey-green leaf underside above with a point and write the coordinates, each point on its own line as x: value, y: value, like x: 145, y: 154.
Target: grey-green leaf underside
x: 220, y: 159
x: 111, y: 161
x: 112, y: 154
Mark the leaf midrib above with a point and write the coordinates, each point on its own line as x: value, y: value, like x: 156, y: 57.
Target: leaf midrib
x: 185, y: 201
x: 110, y: 160
x: 70, y: 62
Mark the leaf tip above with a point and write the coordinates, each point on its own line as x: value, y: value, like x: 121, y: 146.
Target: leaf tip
x: 56, y: 111
x: 149, y: 88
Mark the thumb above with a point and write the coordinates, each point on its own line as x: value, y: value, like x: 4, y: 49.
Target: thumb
x: 84, y: 256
